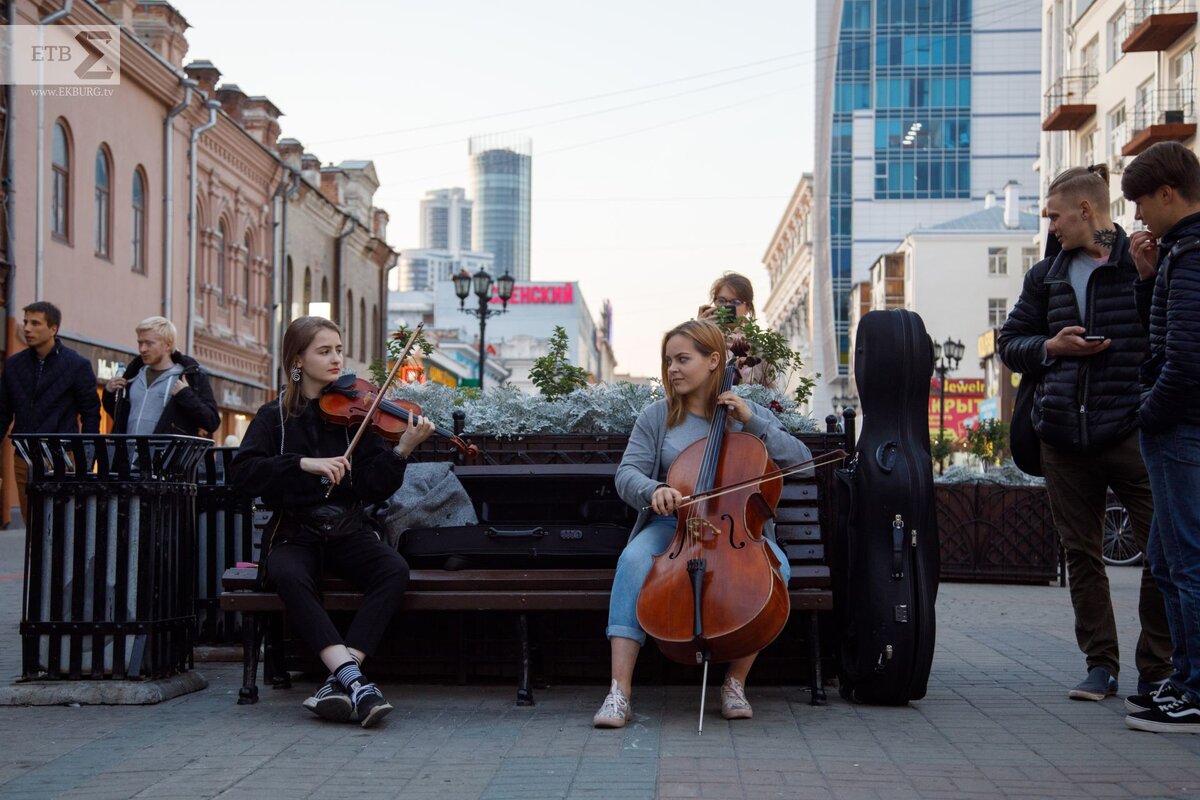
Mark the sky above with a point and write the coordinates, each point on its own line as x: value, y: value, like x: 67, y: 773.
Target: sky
x: 667, y: 136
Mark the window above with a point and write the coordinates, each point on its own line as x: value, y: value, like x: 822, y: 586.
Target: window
x: 1087, y: 148
x: 1116, y: 130
x: 375, y: 325
x: 1088, y: 59
x: 362, y: 329
x: 246, y: 276
x: 289, y: 291
x: 1029, y: 257
x: 997, y: 312
x: 349, y: 321
x: 1143, y: 103
x: 103, y: 225
x: 307, y: 290
x: 222, y: 237
x: 60, y: 189
x: 1183, y: 74
x: 137, y: 234
x: 324, y: 290
x: 1118, y: 31
x: 1116, y: 209
x: 997, y: 261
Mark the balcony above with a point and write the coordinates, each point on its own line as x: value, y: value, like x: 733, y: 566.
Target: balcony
x: 1166, y: 116
x: 1068, y: 103
x: 1156, y: 24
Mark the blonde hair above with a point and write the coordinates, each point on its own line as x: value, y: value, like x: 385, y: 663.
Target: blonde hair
x: 1083, y: 183
x: 296, y: 339
x: 159, y: 326
x: 707, y: 339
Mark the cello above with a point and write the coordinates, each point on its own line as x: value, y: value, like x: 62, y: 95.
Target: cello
x: 716, y: 593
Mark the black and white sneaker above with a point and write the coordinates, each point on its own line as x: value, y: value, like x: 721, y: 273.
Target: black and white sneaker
x: 331, y: 701
x: 1164, y: 695
x: 370, y: 705
x: 1181, y: 716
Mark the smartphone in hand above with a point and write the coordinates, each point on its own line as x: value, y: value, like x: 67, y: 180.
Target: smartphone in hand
x: 1094, y: 337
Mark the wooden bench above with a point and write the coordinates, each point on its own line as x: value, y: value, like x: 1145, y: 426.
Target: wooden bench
x: 798, y: 518
x: 480, y: 590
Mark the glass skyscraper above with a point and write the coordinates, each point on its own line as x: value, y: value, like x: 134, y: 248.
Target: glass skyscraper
x: 923, y: 106
x: 501, y: 181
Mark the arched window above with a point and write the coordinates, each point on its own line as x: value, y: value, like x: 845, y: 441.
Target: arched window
x: 324, y: 290
x: 349, y: 321
x: 246, y: 275
x: 375, y: 328
x: 103, y: 226
x: 222, y: 237
x: 138, y: 233
x: 60, y: 188
x: 307, y: 295
x: 363, y: 347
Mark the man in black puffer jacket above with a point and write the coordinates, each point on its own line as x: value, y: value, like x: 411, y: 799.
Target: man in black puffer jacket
x: 46, y: 388
x: 1164, y: 183
x: 1076, y: 329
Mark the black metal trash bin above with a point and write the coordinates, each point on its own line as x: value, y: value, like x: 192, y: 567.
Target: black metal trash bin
x: 225, y: 534
x: 109, y: 555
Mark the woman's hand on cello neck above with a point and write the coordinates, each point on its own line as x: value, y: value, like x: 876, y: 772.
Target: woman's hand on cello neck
x: 332, y: 469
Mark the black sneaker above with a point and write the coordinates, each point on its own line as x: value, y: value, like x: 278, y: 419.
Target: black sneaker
x: 370, y: 705
x: 330, y: 701
x: 1182, y: 716
x: 1164, y: 695
x: 1098, y: 685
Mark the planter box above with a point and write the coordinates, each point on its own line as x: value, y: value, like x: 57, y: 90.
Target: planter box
x: 996, y: 533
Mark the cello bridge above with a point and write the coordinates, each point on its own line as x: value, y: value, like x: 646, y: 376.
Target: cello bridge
x: 702, y: 530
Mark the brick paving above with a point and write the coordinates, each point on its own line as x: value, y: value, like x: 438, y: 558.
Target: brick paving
x: 996, y: 724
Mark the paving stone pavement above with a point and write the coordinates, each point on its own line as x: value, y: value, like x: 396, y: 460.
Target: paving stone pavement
x: 996, y: 724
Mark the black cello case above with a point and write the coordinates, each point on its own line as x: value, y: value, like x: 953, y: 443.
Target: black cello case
x: 889, y: 558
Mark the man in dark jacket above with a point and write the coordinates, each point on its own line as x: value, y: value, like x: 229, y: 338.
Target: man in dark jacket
x: 162, y: 390
x: 1164, y: 183
x: 46, y: 388
x: 1075, y: 327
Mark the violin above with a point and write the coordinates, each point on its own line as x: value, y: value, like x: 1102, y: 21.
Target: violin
x: 349, y: 399
x: 716, y: 593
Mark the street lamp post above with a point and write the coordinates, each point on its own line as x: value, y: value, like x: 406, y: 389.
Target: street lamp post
x: 481, y: 284
x: 946, y: 356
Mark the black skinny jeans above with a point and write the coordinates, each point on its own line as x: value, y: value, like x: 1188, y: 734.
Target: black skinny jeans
x: 295, y: 563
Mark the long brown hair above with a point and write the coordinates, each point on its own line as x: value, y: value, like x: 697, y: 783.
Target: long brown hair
x: 739, y: 286
x: 707, y: 339
x: 296, y: 339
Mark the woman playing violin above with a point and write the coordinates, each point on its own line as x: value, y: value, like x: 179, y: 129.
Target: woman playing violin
x: 292, y: 458
x: 693, y: 362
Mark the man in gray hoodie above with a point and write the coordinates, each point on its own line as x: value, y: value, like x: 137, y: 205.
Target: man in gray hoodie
x: 162, y: 390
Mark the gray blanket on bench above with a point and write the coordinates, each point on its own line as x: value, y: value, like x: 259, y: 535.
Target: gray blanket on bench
x: 430, y: 497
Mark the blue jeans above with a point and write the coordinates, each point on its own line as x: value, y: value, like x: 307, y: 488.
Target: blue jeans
x: 634, y: 565
x: 1173, y: 551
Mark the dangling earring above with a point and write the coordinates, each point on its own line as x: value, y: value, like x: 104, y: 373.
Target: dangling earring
x: 295, y: 374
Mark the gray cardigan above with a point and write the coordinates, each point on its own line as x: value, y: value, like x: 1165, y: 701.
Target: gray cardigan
x: 637, y: 476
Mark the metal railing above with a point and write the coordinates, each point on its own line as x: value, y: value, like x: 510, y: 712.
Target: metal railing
x: 1140, y: 10
x: 1164, y: 107
x: 1074, y: 87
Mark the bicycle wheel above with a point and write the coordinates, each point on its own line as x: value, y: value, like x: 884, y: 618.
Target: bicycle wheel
x: 1120, y: 549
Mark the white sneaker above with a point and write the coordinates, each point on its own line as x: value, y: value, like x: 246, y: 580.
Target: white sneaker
x: 615, y: 711
x: 734, y: 704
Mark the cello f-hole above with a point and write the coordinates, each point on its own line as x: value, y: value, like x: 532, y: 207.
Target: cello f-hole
x: 728, y: 520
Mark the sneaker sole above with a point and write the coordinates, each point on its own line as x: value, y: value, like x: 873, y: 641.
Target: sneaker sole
x: 1162, y: 727
x: 741, y: 713
x: 334, y: 709
x: 1080, y: 694
x: 608, y: 722
x: 375, y: 715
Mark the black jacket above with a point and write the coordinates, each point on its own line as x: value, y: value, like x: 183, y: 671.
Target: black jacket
x: 57, y: 395
x: 269, y: 468
x: 1169, y: 305
x: 187, y: 413
x: 1080, y: 403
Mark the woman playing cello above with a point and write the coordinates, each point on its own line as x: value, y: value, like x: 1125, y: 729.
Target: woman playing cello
x: 293, y: 458
x: 693, y: 359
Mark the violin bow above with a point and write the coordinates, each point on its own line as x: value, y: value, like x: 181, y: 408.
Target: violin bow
x: 412, y: 340
x: 816, y: 461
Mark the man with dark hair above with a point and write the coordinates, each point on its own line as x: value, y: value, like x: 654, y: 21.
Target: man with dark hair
x: 46, y: 388
x: 1075, y: 331
x: 1164, y: 184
